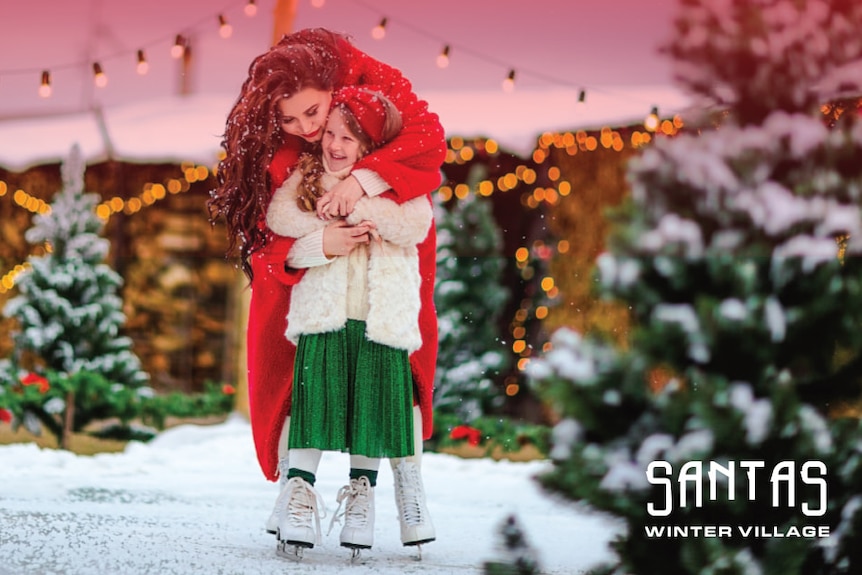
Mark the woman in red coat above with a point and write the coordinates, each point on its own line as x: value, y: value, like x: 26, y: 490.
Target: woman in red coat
x: 280, y: 112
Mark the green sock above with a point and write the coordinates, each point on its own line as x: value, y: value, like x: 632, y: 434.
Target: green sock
x: 369, y: 473
x: 294, y: 472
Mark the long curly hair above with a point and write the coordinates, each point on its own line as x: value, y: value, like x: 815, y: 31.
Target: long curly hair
x: 310, y: 58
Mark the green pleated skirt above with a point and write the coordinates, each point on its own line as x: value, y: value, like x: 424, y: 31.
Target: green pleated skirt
x: 351, y: 394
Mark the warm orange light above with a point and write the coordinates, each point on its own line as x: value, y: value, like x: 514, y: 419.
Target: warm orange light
x: 250, y: 8
x: 509, y: 82
x: 99, y: 76
x: 143, y: 66
x: 179, y: 47
x: 652, y: 121
x: 443, y: 58
x: 224, y: 29
x: 379, y: 31
x: 539, y: 156
x: 45, y: 86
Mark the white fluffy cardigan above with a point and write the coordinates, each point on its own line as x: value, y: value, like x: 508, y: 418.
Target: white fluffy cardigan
x: 378, y: 283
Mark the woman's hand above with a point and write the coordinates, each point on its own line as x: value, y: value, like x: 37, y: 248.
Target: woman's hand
x: 339, y: 238
x: 340, y: 200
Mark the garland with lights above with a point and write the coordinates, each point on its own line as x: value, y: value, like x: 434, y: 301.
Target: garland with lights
x: 180, y: 45
x: 178, y: 49
x: 150, y: 194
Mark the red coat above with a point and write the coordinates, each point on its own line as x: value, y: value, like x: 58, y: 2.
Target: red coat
x: 410, y: 164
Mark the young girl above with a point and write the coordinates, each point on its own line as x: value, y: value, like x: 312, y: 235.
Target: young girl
x: 355, y: 321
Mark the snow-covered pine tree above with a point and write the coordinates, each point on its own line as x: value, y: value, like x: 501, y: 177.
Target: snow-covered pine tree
x: 68, y: 311
x: 747, y: 316
x: 515, y: 555
x: 469, y: 297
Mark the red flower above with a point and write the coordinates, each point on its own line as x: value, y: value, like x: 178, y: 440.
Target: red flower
x: 5, y: 416
x: 36, y: 379
x: 228, y: 389
x: 473, y: 435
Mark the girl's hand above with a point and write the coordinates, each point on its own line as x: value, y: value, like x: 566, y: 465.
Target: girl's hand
x: 340, y: 200
x: 372, y: 230
x: 339, y: 238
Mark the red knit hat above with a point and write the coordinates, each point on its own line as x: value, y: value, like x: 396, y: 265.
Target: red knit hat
x: 367, y: 107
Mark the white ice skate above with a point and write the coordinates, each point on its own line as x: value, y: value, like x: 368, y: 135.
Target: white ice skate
x: 416, y: 525
x: 299, y: 522
x: 358, y: 501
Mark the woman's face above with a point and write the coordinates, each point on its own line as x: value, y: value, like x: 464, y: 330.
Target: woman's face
x: 304, y: 113
x: 340, y: 145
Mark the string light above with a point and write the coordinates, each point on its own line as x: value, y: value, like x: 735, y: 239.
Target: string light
x: 99, y: 76
x: 143, y: 66
x: 582, y: 96
x: 224, y: 29
x: 509, y: 82
x: 179, y: 47
x: 250, y: 7
x: 45, y: 86
x: 443, y: 58
x: 379, y: 31
x: 651, y: 122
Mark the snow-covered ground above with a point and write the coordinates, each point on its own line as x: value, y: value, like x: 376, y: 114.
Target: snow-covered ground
x: 193, y: 501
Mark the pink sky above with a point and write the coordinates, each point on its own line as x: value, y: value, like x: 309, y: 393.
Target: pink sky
x: 551, y: 43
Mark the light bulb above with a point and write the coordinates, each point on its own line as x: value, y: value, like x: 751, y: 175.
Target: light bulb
x: 143, y: 66
x: 224, y: 29
x: 443, y: 58
x: 45, y: 86
x: 99, y: 76
x: 509, y: 82
x: 379, y: 31
x: 651, y: 121
x: 179, y: 47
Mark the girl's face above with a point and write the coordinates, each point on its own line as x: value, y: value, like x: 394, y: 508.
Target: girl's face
x: 304, y: 113
x: 340, y: 145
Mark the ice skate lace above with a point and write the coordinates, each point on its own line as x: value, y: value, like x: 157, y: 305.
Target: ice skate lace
x: 356, y: 510
x: 303, y: 504
x: 410, y: 494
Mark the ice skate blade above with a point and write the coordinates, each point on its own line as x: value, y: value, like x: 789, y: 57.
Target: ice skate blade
x: 419, y: 542
x: 291, y: 551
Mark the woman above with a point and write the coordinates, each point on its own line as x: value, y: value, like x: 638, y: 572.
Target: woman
x: 280, y: 113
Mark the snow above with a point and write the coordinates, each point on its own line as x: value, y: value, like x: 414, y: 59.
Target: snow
x: 193, y: 501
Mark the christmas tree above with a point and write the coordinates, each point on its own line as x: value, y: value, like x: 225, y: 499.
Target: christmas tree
x: 515, y: 555
x: 469, y: 298
x: 69, y: 316
x: 738, y: 256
